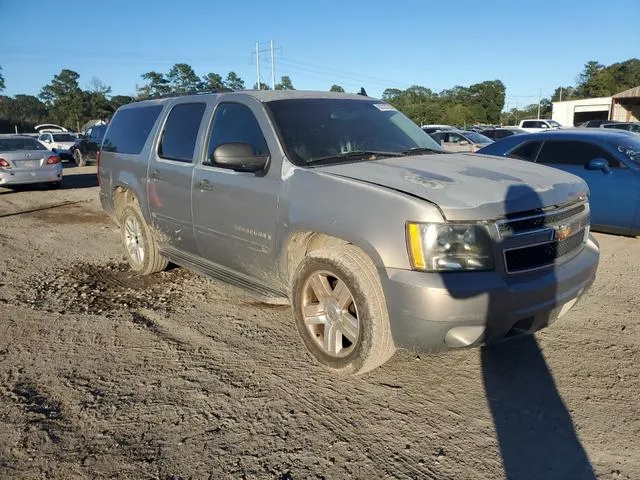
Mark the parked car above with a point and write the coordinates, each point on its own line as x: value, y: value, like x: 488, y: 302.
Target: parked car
x: 609, y: 161
x: 594, y: 123
x: 461, y: 140
x: 24, y: 160
x: 628, y: 126
x: 498, y: 133
x: 86, y: 147
x: 59, y: 143
x: 436, y: 128
x: 341, y: 205
x: 538, y: 125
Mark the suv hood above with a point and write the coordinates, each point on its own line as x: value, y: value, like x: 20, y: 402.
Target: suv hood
x: 469, y: 187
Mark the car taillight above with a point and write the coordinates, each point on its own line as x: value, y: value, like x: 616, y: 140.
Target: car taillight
x: 4, y: 163
x: 98, y: 165
x: 53, y: 159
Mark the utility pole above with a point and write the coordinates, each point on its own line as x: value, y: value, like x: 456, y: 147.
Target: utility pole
x: 258, y: 64
x: 273, y: 67
x: 539, y: 100
x: 560, y: 93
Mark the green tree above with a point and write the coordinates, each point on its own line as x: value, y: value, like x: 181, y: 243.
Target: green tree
x: 22, y: 112
x: 562, y: 94
x: 336, y: 88
x: 156, y: 85
x: 2, y: 86
x: 97, y: 104
x: 119, y: 100
x: 233, y: 81
x: 285, y: 83
x: 263, y: 86
x: 183, y: 80
x: 65, y: 100
x: 212, y: 81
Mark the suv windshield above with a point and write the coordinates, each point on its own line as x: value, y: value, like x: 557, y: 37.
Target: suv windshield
x: 630, y: 148
x: 318, y: 131
x: 63, y: 137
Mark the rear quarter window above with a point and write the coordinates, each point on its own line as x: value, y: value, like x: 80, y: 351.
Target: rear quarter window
x: 130, y: 128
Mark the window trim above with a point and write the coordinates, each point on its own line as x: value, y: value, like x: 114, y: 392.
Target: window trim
x: 204, y: 152
x: 172, y: 160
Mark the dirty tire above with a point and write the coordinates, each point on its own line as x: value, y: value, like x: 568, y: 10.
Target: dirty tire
x: 152, y: 261
x: 80, y: 159
x: 352, y: 266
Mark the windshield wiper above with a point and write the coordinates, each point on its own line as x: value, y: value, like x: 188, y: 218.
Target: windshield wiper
x: 356, y: 154
x: 419, y: 150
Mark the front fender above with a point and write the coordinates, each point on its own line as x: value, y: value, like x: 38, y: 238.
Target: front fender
x: 369, y: 216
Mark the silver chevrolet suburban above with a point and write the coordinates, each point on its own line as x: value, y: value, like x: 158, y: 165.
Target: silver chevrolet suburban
x: 342, y: 206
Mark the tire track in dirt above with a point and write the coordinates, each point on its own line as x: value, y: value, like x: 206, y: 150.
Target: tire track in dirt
x: 263, y: 366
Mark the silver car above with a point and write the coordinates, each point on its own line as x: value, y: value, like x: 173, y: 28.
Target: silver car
x: 24, y: 160
x: 461, y: 140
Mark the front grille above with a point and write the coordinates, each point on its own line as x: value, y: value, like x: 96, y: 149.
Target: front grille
x: 538, y: 256
x: 538, y: 221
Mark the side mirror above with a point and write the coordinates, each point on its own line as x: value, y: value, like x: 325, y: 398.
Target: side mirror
x: 239, y: 157
x: 599, y: 164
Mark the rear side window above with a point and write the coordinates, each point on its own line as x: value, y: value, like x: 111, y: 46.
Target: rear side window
x: 178, y: 141
x: 526, y: 151
x: 235, y: 123
x: 130, y: 128
x: 573, y: 152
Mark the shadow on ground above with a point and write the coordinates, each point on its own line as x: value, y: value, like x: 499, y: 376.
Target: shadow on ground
x: 534, y: 428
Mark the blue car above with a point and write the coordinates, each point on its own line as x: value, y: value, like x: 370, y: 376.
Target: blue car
x: 608, y: 161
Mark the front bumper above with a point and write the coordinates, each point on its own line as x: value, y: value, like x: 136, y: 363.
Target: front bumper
x: 433, y: 312
x: 49, y: 174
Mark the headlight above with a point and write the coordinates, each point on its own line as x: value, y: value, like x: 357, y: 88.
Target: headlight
x: 442, y: 247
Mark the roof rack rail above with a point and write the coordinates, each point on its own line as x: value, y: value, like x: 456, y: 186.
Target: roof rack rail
x: 173, y: 95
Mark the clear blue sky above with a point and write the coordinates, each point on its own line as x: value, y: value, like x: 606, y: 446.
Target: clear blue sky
x: 529, y: 45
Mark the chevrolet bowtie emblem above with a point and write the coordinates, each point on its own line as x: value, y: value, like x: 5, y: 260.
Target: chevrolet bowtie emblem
x: 563, y: 232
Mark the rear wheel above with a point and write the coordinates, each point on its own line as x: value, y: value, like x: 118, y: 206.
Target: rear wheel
x: 340, y: 310
x: 79, y: 158
x: 54, y: 185
x: 140, y: 246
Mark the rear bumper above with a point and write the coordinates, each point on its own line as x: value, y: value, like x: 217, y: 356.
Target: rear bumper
x: 433, y: 312
x: 48, y: 174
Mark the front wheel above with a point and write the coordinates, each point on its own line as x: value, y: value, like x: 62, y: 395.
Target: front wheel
x: 140, y: 246
x: 79, y: 158
x: 340, y: 310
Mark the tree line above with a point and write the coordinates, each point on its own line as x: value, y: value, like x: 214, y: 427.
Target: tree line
x: 64, y: 102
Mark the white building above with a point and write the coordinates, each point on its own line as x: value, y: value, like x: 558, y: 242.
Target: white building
x: 622, y: 107
x: 573, y: 112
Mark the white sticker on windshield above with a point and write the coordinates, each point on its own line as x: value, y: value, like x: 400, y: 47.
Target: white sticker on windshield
x: 384, y: 107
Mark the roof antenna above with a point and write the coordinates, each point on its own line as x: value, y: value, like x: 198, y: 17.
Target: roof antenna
x: 363, y: 92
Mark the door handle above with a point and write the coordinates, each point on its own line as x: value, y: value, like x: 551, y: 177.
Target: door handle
x: 155, y: 175
x: 205, y: 185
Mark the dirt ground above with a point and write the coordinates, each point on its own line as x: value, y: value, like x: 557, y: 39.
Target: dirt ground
x: 106, y: 375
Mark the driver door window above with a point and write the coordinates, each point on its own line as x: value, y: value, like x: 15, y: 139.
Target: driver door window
x: 235, y: 123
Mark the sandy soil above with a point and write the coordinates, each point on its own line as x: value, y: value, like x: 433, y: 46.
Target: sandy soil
x: 105, y: 375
